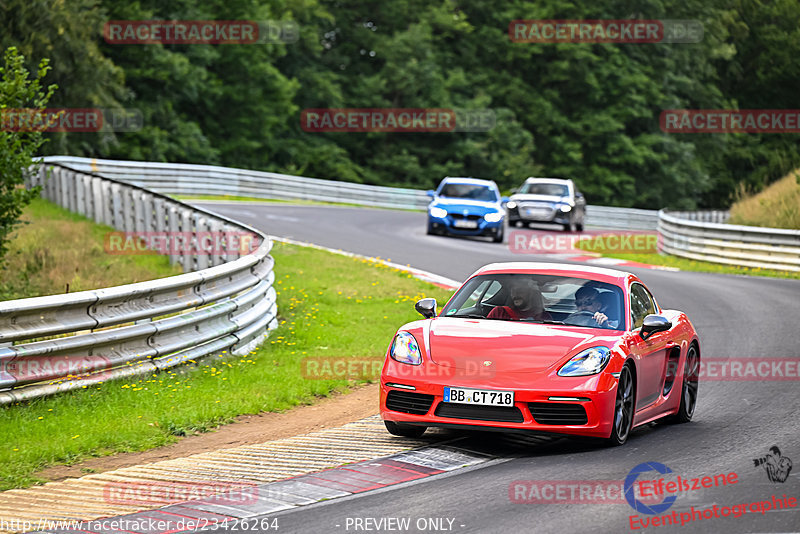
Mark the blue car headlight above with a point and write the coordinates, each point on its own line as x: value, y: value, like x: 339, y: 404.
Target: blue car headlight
x: 405, y: 349
x: 494, y: 217
x: 439, y: 213
x: 588, y: 362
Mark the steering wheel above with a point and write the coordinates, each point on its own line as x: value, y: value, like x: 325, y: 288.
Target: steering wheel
x: 584, y: 312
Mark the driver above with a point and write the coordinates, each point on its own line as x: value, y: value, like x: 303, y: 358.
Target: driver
x: 526, y: 303
x: 587, y: 300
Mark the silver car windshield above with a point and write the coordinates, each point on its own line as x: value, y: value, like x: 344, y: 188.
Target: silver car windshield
x: 553, y: 190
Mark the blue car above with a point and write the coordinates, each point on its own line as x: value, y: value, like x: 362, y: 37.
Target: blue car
x: 468, y: 207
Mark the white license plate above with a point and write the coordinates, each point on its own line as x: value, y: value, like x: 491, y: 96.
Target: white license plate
x: 479, y: 396
x: 465, y: 224
x: 537, y: 213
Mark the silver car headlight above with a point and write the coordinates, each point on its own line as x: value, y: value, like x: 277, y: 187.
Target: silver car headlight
x: 587, y: 362
x: 405, y: 349
x: 511, y: 205
x: 565, y: 208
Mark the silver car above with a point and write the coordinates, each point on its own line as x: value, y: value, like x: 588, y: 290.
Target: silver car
x: 547, y: 200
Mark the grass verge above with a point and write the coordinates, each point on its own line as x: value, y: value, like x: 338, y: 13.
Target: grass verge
x: 56, y: 251
x: 329, y: 305
x: 777, y: 206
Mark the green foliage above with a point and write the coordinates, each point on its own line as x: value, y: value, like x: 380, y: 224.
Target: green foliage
x: 584, y: 111
x: 17, y: 148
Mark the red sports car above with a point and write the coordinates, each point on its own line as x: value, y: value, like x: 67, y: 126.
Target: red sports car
x: 542, y: 347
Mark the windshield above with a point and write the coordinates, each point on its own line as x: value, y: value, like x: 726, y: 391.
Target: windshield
x: 468, y: 191
x: 539, y: 298
x: 554, y: 190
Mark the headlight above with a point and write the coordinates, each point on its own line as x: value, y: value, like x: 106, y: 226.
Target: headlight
x: 588, y: 362
x: 439, y: 213
x: 494, y: 217
x: 405, y: 349
x: 565, y: 208
x: 511, y: 205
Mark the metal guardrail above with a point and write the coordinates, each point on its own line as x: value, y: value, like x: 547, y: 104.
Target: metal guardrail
x: 227, y: 305
x: 183, y: 179
x: 697, y: 235
x: 750, y: 246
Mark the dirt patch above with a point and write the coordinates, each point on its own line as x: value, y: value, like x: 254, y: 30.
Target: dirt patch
x: 248, y: 429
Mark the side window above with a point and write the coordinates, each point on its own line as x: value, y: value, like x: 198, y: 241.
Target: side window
x: 641, y: 305
x: 491, y: 291
x: 472, y: 300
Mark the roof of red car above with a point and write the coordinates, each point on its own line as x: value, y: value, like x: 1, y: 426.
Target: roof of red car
x: 600, y: 274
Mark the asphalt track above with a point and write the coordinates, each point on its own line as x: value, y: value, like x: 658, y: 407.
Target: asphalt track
x: 735, y: 421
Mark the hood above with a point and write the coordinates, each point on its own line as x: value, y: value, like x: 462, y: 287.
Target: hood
x: 539, y: 198
x: 510, y: 346
x: 472, y: 207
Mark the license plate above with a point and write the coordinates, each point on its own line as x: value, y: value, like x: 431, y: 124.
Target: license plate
x: 479, y: 396
x: 465, y: 224
x: 537, y: 213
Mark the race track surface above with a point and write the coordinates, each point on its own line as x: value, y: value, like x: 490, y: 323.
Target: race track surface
x: 735, y: 422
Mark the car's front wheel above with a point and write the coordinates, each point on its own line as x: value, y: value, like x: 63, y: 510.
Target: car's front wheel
x: 498, y: 235
x: 623, y: 408
x: 406, y: 431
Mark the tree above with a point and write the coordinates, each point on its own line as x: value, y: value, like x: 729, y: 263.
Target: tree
x: 18, y: 143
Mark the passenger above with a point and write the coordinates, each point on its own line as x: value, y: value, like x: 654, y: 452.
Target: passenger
x: 526, y: 304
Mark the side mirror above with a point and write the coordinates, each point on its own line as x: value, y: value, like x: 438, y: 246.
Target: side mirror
x: 429, y: 192
x: 426, y: 308
x: 654, y: 323
x: 514, y: 190
x: 503, y: 201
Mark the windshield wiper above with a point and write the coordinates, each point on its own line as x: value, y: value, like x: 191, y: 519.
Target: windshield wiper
x: 543, y: 321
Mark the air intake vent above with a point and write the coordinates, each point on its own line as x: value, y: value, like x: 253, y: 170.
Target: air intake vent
x: 408, y: 402
x: 479, y: 413
x: 558, y: 413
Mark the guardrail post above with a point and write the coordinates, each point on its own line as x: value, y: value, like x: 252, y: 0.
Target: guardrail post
x: 187, y: 260
x: 205, y: 242
x: 174, y: 225
x: 97, y: 200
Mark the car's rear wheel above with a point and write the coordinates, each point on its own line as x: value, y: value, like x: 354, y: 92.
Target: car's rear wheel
x: 689, y: 388
x: 406, y: 431
x: 623, y: 408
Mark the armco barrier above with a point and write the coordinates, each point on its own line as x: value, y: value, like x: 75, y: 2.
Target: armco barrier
x: 183, y: 179
x: 221, y: 303
x: 697, y: 235
x: 750, y: 246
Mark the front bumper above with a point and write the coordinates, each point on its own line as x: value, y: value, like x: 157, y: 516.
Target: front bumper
x: 555, y: 216
x: 534, y: 394
x: 448, y: 225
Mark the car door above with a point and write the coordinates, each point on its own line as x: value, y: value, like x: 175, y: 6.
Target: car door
x: 652, y: 352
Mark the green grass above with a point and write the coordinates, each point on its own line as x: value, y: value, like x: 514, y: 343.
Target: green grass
x: 329, y: 305
x: 279, y: 200
x: 55, y: 250
x: 684, y: 264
